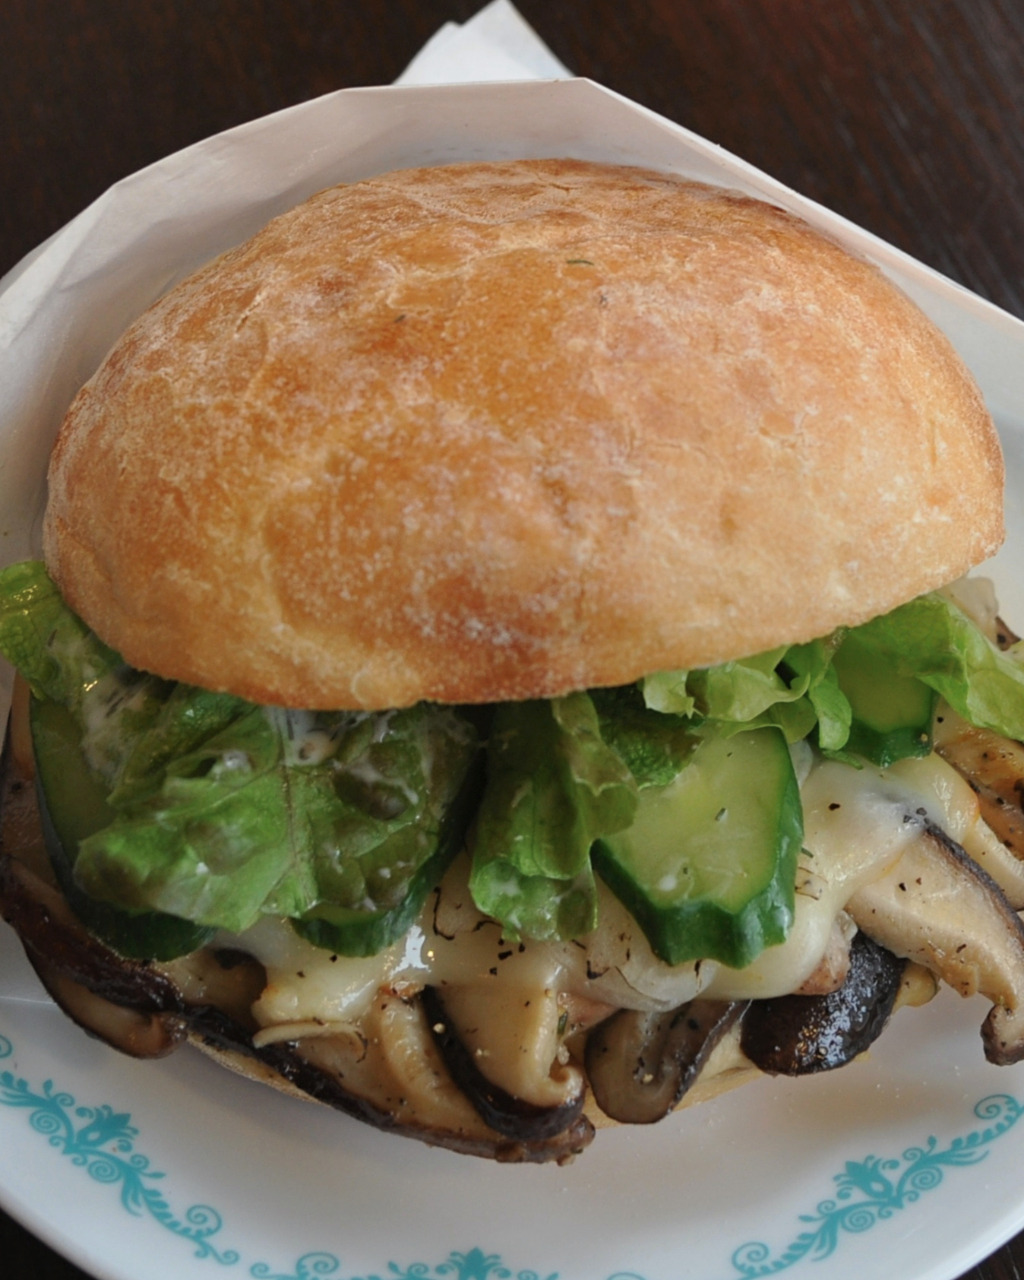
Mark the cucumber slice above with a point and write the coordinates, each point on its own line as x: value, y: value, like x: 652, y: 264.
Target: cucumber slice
x: 709, y: 865
x: 72, y: 806
x: 892, y: 712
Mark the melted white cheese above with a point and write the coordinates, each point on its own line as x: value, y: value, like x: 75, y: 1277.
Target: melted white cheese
x: 453, y: 946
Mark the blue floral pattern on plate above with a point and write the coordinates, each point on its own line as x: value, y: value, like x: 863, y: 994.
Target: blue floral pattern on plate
x: 873, y: 1189
x: 101, y: 1141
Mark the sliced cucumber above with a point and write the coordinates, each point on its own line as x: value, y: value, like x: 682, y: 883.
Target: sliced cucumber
x: 892, y: 712
x: 73, y: 806
x: 709, y: 865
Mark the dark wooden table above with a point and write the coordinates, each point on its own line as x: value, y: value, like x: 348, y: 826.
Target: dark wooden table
x: 907, y: 116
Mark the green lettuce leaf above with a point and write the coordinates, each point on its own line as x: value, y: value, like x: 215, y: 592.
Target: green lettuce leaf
x: 823, y: 699
x: 223, y: 811
x: 52, y: 648
x: 553, y: 787
x: 243, y: 827
x: 653, y: 745
x: 929, y: 639
x: 178, y: 724
x: 132, y: 724
x: 793, y: 688
x: 932, y: 639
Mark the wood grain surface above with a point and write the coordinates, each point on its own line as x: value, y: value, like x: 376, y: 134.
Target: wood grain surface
x: 906, y: 116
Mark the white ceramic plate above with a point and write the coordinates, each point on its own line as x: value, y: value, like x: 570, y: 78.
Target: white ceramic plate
x: 906, y: 1165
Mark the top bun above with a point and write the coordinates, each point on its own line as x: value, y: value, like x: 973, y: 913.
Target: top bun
x: 494, y: 431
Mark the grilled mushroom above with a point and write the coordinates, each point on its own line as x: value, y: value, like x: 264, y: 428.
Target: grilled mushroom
x: 798, y: 1035
x: 937, y: 907
x: 512, y: 1114
x: 640, y: 1065
x: 993, y: 766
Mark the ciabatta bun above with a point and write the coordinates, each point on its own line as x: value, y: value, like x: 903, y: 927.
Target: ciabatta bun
x: 498, y: 431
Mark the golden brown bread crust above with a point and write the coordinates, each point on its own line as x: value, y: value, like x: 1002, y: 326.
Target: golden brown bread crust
x: 495, y: 431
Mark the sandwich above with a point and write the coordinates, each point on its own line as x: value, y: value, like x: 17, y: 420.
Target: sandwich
x: 503, y: 661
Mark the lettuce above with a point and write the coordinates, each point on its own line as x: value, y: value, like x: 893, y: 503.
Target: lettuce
x: 56, y: 653
x: 797, y: 688
x: 932, y: 639
x: 220, y: 817
x: 793, y: 688
x: 553, y: 787
x: 132, y: 724
x: 241, y: 828
x: 653, y: 746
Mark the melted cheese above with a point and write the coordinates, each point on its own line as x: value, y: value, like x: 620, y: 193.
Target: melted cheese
x: 454, y: 946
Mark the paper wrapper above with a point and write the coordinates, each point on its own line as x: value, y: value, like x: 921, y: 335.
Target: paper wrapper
x: 63, y: 306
